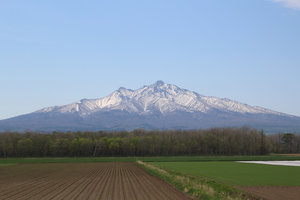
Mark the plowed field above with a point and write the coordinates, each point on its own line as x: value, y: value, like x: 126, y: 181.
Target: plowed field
x: 275, y: 192
x: 83, y: 181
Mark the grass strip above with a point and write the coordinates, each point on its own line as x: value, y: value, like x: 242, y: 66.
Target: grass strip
x: 197, y: 187
x: 207, y: 158
x: 6, y: 164
x: 33, y: 160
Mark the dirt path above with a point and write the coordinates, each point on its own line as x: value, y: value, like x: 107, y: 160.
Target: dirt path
x: 83, y: 181
x: 274, y: 192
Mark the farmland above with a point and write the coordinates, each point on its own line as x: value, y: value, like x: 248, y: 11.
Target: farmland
x: 269, y: 181
x: 105, y: 180
x: 240, y: 173
x: 32, y: 160
x: 204, y: 177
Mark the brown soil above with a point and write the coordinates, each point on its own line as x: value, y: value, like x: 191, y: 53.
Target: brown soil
x: 274, y: 192
x: 83, y: 181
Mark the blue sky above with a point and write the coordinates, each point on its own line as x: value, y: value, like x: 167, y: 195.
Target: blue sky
x: 57, y: 52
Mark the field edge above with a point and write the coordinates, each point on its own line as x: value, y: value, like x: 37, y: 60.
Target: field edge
x: 198, y: 187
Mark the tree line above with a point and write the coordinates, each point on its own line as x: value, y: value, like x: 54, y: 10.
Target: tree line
x: 216, y: 141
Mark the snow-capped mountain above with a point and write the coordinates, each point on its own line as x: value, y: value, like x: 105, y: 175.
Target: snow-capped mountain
x: 157, y: 106
x: 159, y: 97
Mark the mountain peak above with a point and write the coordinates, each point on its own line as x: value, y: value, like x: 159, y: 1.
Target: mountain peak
x: 160, y: 86
x: 162, y: 98
x: 159, y: 83
x: 156, y: 106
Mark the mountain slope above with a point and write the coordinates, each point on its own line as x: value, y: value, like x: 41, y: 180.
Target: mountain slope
x: 157, y: 106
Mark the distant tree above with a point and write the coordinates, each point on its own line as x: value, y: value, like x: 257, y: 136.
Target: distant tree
x: 25, y: 147
x: 288, y: 139
x: 216, y: 141
x: 263, y: 149
x: 61, y: 147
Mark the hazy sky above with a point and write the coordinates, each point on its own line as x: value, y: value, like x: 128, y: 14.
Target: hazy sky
x: 57, y: 52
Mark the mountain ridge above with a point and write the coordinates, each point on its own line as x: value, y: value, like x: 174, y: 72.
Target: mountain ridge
x: 151, y: 107
x: 123, y: 94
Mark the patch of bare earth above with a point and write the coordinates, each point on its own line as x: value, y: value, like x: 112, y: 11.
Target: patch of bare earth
x: 83, y: 181
x: 274, y: 192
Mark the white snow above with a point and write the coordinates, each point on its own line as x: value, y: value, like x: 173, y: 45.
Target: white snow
x: 160, y: 97
x: 284, y: 163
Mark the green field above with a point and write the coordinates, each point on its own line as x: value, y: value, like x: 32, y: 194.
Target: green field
x: 145, y: 159
x: 238, y: 173
x: 217, y: 158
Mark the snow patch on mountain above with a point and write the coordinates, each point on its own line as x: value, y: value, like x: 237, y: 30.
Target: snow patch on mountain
x: 158, y: 97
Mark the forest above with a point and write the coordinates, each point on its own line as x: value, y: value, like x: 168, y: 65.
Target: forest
x: 215, y: 141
